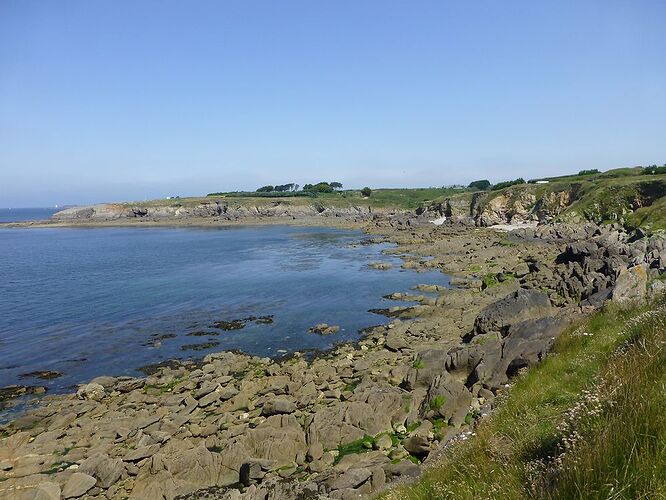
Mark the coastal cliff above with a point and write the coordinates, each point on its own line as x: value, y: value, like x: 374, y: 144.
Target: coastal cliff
x: 630, y: 202
x: 218, y: 209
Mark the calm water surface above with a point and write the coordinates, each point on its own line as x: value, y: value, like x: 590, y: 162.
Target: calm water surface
x: 26, y: 214
x: 89, y: 302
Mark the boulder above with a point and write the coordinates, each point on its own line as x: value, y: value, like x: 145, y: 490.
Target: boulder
x: 631, y: 284
x: 447, y: 398
x: 515, y: 307
x: 106, y: 470
x: 77, y: 485
x: 92, y: 391
x: 277, y: 406
x: 346, y: 422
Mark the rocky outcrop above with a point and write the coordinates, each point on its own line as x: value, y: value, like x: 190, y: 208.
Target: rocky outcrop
x: 225, y: 210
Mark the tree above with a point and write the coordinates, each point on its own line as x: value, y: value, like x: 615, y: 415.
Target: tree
x: 481, y: 185
x: 265, y: 189
x: 336, y: 185
x: 366, y: 191
x: 320, y: 187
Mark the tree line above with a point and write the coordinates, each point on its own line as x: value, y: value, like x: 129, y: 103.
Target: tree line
x: 320, y: 187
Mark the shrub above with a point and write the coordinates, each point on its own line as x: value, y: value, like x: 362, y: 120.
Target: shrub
x: 366, y: 191
x: 481, y: 185
x: 506, y: 184
x: 592, y: 171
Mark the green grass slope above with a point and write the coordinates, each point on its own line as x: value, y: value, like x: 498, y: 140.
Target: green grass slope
x: 589, y: 422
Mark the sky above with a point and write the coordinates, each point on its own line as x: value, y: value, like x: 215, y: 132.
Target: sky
x: 133, y: 100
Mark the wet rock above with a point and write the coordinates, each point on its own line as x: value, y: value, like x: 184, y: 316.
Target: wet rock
x: 324, y: 329
x: 380, y: 266
x: 199, y: 347
x: 236, y: 324
x: 41, y: 374
x: 14, y: 391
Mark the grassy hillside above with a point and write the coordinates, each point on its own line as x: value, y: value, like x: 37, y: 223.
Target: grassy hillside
x: 405, y: 199
x: 589, y: 422
x: 632, y: 196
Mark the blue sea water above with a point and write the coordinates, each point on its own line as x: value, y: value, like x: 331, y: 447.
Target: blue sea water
x: 26, y: 214
x: 89, y: 302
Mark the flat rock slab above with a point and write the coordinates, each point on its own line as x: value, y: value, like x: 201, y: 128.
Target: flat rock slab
x: 141, y: 453
x: 77, y: 485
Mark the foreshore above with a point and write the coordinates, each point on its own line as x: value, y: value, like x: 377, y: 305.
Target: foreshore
x: 351, y: 421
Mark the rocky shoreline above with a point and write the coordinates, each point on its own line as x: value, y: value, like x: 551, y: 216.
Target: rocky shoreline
x: 347, y: 423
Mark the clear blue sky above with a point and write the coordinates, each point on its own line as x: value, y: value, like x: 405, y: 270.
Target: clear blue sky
x: 103, y: 101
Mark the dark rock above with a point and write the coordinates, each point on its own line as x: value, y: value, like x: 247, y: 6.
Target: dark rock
x: 41, y: 374
x: 515, y: 307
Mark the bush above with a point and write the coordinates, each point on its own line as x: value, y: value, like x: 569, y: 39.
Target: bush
x: 506, y: 184
x: 481, y: 185
x: 592, y: 171
x: 366, y: 191
x: 654, y: 170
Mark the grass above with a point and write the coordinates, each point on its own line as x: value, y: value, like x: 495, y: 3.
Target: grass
x: 437, y: 402
x: 359, y: 446
x: 587, y: 422
x: 418, y: 364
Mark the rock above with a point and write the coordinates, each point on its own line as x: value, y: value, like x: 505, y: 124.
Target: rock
x: 278, y: 406
x: 42, y: 374
x: 448, y: 398
x: 395, y: 342
x: 526, y: 343
x: 77, y: 485
x: 324, y: 329
x: 315, y: 452
x: 346, y: 422
x: 107, y: 382
x: 141, y: 453
x: 381, y: 266
x: 383, y: 442
x: 514, y: 308
x: 353, y: 478
x: 254, y: 470
x: 631, y: 284
x: 94, y: 392
x: 130, y: 385
x: 417, y: 445
x: 279, y: 438
x: 105, y: 469
x: 427, y: 365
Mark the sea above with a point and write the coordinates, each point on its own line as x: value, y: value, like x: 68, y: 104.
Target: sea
x: 85, y: 302
x: 26, y: 214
